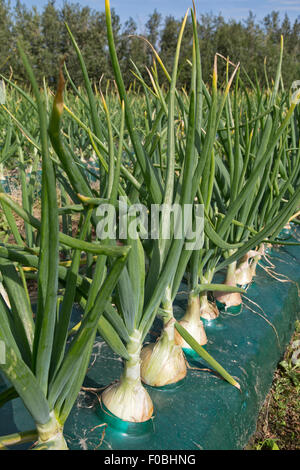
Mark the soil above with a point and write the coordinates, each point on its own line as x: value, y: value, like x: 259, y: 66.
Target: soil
x: 278, y: 425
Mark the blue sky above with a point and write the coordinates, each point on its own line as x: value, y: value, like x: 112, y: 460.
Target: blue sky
x: 139, y: 9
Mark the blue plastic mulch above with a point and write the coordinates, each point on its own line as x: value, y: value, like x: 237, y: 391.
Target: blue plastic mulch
x: 205, y: 412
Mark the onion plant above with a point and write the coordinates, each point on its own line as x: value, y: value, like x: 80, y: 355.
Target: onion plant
x: 239, y: 166
x: 231, y: 151
x: 240, y: 173
x: 43, y: 370
x: 258, y: 174
x: 163, y: 362
x: 199, y: 143
x: 152, y: 270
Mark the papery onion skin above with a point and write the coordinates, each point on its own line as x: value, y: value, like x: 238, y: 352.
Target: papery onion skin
x: 163, y: 362
x: 128, y: 399
x: 129, y: 402
x: 192, y: 323
x: 229, y: 299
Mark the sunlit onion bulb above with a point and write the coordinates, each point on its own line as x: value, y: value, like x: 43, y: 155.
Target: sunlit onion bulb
x: 163, y: 362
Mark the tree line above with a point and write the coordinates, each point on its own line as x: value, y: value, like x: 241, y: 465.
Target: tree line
x: 44, y: 37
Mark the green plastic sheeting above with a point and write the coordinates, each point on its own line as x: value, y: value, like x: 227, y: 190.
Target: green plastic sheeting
x: 203, y: 412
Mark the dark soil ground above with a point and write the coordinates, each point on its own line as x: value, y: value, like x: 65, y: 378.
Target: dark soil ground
x: 278, y: 425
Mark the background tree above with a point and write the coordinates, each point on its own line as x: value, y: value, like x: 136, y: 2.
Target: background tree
x: 45, y: 39
x: 51, y: 32
x: 27, y: 29
x: 6, y: 24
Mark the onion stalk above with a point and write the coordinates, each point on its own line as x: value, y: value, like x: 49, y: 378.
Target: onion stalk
x: 208, y: 309
x: 42, y: 370
x: 197, y: 306
x: 229, y: 299
x: 246, y: 268
x: 50, y: 435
